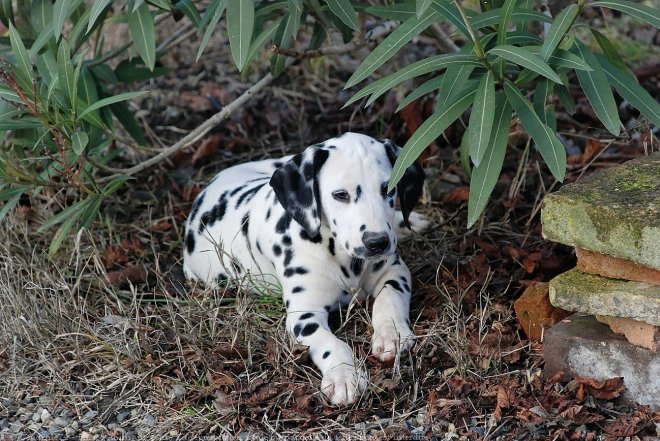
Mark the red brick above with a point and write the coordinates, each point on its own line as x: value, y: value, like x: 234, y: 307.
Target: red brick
x: 638, y: 333
x: 614, y: 268
x: 534, y: 311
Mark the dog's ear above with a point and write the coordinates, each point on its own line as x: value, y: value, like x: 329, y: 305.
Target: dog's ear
x: 296, y: 187
x: 409, y: 188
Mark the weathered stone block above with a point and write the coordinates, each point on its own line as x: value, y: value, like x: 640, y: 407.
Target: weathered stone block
x: 580, y: 346
x: 636, y: 332
x: 534, y: 311
x: 608, y: 266
x: 614, y: 212
x: 591, y: 294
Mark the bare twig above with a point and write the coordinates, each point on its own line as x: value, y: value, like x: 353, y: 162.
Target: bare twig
x: 445, y: 43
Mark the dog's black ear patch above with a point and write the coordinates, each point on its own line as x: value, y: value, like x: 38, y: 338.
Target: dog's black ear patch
x: 297, y: 189
x: 409, y: 188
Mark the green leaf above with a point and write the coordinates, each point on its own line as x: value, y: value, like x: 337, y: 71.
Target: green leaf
x: 389, y: 46
x: 23, y: 66
x: 598, y: 90
x: 41, y: 17
x: 61, y: 234
x: 395, y: 11
x: 79, y: 141
x: 551, y: 149
x: 70, y: 212
x: 421, y: 6
x: 343, y: 10
x: 141, y: 25
x: 610, y: 51
x: 126, y: 118
x: 61, y: 12
x: 136, y: 4
x: 260, y: 40
x: 485, y: 175
x: 91, y: 211
x: 526, y: 59
x: 98, y: 8
x: 559, y: 28
x: 492, y: 18
x: 6, y: 12
x: 449, y: 11
x: 428, y: 132
x: 427, y: 87
x: 240, y: 25
x: 644, y: 13
x: 11, y: 192
x: 8, y: 206
x: 162, y: 4
x: 482, y: 116
x: 189, y: 9
x: 65, y: 71
x: 629, y: 88
x: 220, y: 8
x: 453, y: 81
x: 286, y: 32
x: 111, y: 100
x: 129, y: 71
x: 506, y: 13
x: 464, y: 152
x: 544, y: 88
x: 565, y: 98
x: 115, y: 184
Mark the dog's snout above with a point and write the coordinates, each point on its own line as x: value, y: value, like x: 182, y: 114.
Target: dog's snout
x: 376, y: 242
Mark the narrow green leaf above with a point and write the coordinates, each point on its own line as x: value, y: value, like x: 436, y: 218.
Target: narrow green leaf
x: 240, y: 25
x: 610, y: 51
x: 8, y: 206
x: 421, y: 6
x: 66, y: 71
x: 61, y: 233
x: 136, y: 4
x: 60, y: 14
x: 526, y: 59
x: 126, y: 118
x: 285, y: 34
x: 559, y: 28
x: 111, y: 100
x: 70, y: 212
x: 97, y: 9
x: 260, y: 40
x: 485, y: 175
x: 550, y: 147
x: 544, y: 88
x: 23, y: 66
x: 129, y: 71
x: 449, y: 11
x: 43, y: 38
x: 453, y: 81
x: 395, y: 11
x: 220, y: 8
x: 343, y: 10
x: 162, y: 4
x: 428, y: 132
x: 190, y: 11
x: 642, y: 12
x: 428, y: 87
x: 565, y: 98
x: 482, y: 117
x: 115, y: 184
x: 389, y: 46
x: 79, y: 141
x: 11, y: 192
x: 141, y: 25
x: 464, y: 153
x: 598, y: 90
x: 492, y: 18
x: 6, y: 12
x: 629, y: 88
x: 506, y: 13
x: 41, y: 16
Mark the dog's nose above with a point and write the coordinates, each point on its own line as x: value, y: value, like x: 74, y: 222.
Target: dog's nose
x: 376, y: 242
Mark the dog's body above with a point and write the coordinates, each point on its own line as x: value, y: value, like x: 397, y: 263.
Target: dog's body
x: 324, y: 230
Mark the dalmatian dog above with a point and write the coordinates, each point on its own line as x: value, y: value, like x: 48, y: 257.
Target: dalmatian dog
x: 322, y: 226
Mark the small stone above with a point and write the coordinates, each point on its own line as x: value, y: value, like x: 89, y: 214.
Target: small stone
x: 4, y: 423
x: 590, y: 294
x: 148, y: 420
x: 608, y: 266
x: 178, y: 392
x: 122, y: 416
x: 90, y: 414
x: 70, y: 432
x: 62, y: 422
x: 16, y: 426
x: 112, y: 426
x: 638, y: 333
x: 55, y: 429
x: 75, y: 425
x: 86, y: 436
x: 534, y: 311
x: 46, y: 417
x: 130, y: 434
x: 36, y: 417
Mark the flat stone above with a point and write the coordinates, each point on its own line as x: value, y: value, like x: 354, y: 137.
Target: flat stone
x: 580, y: 346
x: 614, y: 212
x: 534, y: 311
x: 608, y: 266
x: 591, y: 294
x: 636, y: 332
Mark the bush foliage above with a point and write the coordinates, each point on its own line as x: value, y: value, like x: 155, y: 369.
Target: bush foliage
x: 61, y: 103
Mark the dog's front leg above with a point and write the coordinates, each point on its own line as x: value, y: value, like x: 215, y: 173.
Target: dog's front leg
x: 307, y: 320
x: 391, y: 308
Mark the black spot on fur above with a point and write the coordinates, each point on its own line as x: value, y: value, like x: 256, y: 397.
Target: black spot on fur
x: 288, y: 255
x: 190, y: 242
x: 327, y: 308
x: 344, y: 271
x: 236, y: 190
x: 286, y: 240
x: 315, y: 239
x: 195, y: 207
x: 306, y: 315
x: 363, y: 227
x: 308, y: 171
x: 331, y: 246
x: 278, y: 164
x: 326, y: 354
x: 297, y: 289
x: 248, y: 195
x: 345, y: 292
x: 245, y: 224
x: 346, y: 244
x: 406, y: 287
x: 391, y: 203
x: 221, y: 279
x: 277, y: 250
x: 331, y: 147
x: 334, y: 234
x: 236, y: 267
x: 297, y: 270
x: 394, y: 284
x: 378, y: 265
x: 287, y: 303
x: 213, y: 215
x: 402, y: 224
x: 297, y: 329
x: 259, y: 248
x: 268, y: 214
x: 309, y: 329
x: 358, y: 193
x: 334, y: 221
x: 283, y: 224
x: 356, y: 266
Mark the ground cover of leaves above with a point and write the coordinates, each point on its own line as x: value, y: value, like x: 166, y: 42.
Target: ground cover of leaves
x: 107, y: 340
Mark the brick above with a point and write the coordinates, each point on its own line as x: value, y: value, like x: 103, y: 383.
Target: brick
x: 636, y: 332
x: 608, y: 266
x: 614, y: 212
x: 535, y: 312
x: 591, y: 294
x: 580, y: 346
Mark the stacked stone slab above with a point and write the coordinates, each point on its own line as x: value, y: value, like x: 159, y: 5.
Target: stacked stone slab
x: 613, y: 220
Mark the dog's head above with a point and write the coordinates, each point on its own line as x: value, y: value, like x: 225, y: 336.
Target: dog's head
x: 342, y: 183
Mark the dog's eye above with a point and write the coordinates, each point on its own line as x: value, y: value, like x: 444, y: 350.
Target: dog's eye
x: 341, y: 196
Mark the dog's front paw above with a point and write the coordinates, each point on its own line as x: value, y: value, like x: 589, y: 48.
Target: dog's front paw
x: 390, y: 339
x: 343, y: 384
x: 418, y: 223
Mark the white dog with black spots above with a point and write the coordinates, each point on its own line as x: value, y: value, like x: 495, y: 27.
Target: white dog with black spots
x: 321, y: 225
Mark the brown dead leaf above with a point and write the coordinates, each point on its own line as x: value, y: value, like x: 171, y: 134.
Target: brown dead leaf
x: 604, y: 390
x: 223, y: 403
x: 460, y: 194
x: 193, y: 101
x: 162, y: 226
x: 265, y: 393
x: 218, y: 379
x: 571, y: 412
x: 207, y: 149
x: 132, y: 274
x: 504, y: 397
